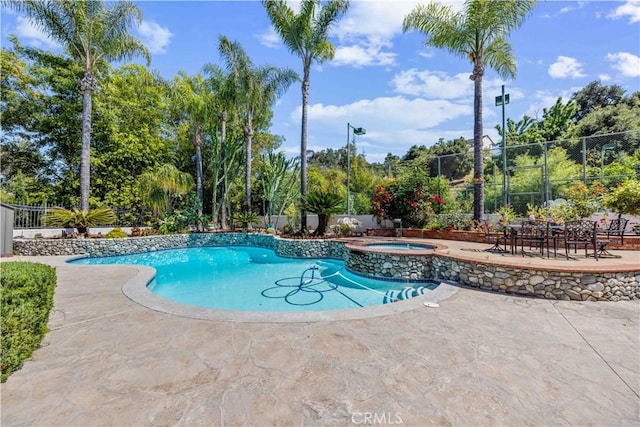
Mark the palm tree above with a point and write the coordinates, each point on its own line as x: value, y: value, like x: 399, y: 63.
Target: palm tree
x: 306, y: 34
x: 158, y: 186
x: 194, y: 97
x: 78, y: 218
x: 92, y: 32
x: 226, y: 98
x: 257, y: 89
x: 479, y: 34
x: 324, y: 204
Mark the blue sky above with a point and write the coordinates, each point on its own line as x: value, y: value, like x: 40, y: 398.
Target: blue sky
x: 387, y: 81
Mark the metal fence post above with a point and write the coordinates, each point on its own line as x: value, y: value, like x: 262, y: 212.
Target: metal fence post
x: 584, y: 161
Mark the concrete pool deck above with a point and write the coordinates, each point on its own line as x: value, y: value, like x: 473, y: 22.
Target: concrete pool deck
x: 481, y: 358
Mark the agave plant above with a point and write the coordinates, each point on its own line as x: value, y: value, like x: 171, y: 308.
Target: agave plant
x: 323, y: 204
x: 77, y: 218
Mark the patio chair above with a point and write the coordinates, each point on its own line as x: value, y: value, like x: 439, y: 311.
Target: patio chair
x: 496, y: 240
x: 616, y: 228
x: 583, y: 233
x: 535, y: 234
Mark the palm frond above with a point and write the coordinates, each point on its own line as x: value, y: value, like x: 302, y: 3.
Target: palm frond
x: 157, y: 186
x: 60, y: 217
x: 322, y: 203
x: 499, y: 56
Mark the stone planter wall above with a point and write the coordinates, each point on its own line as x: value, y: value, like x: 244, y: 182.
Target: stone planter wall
x: 561, y: 285
x: 110, y: 247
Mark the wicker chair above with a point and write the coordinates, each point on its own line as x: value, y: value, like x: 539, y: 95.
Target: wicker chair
x: 581, y: 233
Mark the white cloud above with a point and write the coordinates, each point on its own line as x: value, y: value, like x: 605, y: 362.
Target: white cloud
x: 630, y: 8
x: 34, y: 36
x: 604, y: 77
x: 269, y: 38
x: 392, y: 123
x: 380, y: 20
x: 566, y: 67
x: 572, y: 7
x: 427, y: 53
x: 365, y: 54
x: 440, y: 85
x: 432, y: 84
x: 365, y: 34
x: 627, y: 63
x: 155, y: 37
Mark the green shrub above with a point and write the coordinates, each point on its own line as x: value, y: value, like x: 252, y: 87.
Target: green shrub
x: 116, y: 233
x: 246, y: 218
x: 146, y: 231
x: 625, y: 198
x: 27, y: 298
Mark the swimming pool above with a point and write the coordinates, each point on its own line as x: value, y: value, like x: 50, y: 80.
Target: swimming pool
x: 251, y: 278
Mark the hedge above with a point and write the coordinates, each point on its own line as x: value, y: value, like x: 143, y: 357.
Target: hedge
x: 26, y: 299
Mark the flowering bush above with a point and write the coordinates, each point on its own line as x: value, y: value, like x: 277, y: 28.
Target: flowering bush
x: 410, y: 203
x: 381, y: 204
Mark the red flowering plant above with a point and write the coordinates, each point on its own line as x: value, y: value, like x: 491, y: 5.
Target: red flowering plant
x: 410, y: 199
x: 380, y: 205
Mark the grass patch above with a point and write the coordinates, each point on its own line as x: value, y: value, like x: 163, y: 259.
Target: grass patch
x: 26, y: 299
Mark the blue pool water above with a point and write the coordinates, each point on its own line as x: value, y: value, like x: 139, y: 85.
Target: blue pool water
x: 400, y: 246
x: 256, y: 279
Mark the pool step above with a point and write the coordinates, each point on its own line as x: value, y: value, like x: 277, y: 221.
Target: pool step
x: 394, y: 295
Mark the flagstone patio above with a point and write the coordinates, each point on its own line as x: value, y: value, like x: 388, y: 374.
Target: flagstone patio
x: 480, y: 358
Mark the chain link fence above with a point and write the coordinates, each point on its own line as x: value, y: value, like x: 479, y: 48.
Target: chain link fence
x: 539, y: 173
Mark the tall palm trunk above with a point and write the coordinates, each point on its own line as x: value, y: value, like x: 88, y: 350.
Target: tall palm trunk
x: 248, y: 136
x: 223, y: 184
x: 198, y: 144
x: 86, y: 84
x: 478, y: 173
x: 303, y: 146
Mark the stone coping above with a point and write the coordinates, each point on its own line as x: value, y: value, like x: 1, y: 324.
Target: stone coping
x: 365, y: 246
x: 516, y: 261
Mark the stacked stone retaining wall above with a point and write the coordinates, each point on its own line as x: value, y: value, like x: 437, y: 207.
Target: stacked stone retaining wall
x: 398, y: 267
x: 549, y: 284
x: 111, y: 247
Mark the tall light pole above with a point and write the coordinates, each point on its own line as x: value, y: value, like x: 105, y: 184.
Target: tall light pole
x: 503, y: 100
x: 356, y: 131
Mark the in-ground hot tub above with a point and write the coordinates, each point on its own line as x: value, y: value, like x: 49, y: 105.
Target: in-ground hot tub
x: 393, y: 260
x: 391, y: 247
